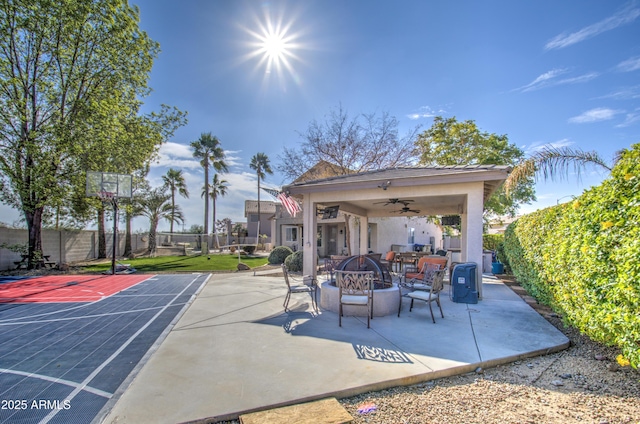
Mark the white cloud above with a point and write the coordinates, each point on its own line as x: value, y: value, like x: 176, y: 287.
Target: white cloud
x: 426, y: 112
x: 629, y: 65
x: 537, y: 146
x: 631, y: 118
x: 623, y: 93
x: 550, y: 79
x: 595, y: 115
x: 626, y: 15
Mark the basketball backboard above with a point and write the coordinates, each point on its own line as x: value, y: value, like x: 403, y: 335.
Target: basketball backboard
x: 110, y: 184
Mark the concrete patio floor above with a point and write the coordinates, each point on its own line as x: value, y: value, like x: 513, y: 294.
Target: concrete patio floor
x: 235, y: 350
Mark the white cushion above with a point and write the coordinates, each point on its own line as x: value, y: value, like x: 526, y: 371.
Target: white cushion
x: 300, y: 288
x: 353, y: 300
x: 421, y: 295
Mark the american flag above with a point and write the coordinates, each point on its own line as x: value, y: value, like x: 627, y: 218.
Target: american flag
x: 289, y: 204
x: 274, y: 193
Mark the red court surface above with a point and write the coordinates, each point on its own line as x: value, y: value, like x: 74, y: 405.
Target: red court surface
x: 66, y: 288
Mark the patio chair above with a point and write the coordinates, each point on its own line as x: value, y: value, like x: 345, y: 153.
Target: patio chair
x: 389, y: 260
x: 300, y: 284
x: 414, y: 273
x: 418, y: 281
x: 356, y: 289
x: 431, y: 295
x: 405, y: 259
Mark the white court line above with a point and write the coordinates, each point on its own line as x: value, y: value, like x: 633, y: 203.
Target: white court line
x: 57, y: 380
x: 77, y: 318
x: 113, y: 356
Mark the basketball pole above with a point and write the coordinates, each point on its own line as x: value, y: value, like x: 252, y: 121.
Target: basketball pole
x: 115, y: 235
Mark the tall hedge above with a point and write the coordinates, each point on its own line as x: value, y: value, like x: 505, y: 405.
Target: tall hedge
x: 582, y: 258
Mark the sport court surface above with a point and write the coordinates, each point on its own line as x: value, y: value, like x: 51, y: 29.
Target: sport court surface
x: 67, y: 343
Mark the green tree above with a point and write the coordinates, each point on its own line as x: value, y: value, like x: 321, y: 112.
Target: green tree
x: 224, y: 225
x: 133, y: 207
x: 68, y: 71
x: 260, y: 164
x: 208, y: 149
x: 156, y: 205
x: 449, y: 143
x: 217, y: 188
x: 174, y: 181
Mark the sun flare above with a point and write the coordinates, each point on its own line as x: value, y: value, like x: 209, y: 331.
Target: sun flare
x: 274, y: 44
x: 275, y: 49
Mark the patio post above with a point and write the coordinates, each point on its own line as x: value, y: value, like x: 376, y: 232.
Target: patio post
x: 364, y: 235
x: 472, y: 223
x: 309, y: 236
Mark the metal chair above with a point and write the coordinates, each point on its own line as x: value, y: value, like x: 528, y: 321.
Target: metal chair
x: 430, y: 295
x: 356, y: 289
x: 298, y: 284
x: 417, y: 281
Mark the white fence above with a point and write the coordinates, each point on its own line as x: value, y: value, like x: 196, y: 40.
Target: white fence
x: 65, y: 246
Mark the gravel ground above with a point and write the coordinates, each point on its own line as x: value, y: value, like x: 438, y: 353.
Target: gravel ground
x: 582, y: 384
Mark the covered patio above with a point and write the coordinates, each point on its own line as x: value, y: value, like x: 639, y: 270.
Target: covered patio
x: 446, y: 190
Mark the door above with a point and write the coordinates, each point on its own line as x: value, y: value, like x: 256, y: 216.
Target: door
x: 332, y: 240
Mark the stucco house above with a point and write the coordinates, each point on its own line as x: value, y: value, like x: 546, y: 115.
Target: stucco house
x: 267, y: 212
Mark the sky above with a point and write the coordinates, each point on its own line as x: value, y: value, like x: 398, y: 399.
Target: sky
x: 542, y: 72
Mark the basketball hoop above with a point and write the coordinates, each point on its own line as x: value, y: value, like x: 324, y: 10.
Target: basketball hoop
x: 108, y: 187
x: 106, y: 196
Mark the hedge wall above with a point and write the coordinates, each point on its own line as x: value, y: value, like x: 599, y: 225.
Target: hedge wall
x: 582, y: 258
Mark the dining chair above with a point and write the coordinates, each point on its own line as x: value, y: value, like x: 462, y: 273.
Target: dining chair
x: 300, y: 284
x: 430, y: 295
x: 414, y: 273
x: 355, y: 289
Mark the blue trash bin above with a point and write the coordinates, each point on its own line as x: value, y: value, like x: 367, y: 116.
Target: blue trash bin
x: 497, y: 268
x: 463, y: 283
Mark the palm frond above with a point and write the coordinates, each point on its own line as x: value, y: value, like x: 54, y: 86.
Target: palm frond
x: 553, y: 162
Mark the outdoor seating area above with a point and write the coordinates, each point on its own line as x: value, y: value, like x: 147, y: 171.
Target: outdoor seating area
x: 347, y: 360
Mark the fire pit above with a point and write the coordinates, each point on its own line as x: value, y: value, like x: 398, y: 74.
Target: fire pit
x: 386, y: 296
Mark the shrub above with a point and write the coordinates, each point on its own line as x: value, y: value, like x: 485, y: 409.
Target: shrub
x: 279, y: 254
x: 294, y: 261
x: 491, y: 241
x: 583, y: 258
x: 249, y: 249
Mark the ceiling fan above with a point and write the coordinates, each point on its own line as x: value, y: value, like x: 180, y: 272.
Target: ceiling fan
x: 406, y: 209
x: 394, y: 202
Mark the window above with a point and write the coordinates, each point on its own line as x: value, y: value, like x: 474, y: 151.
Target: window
x: 412, y: 236
x: 253, y: 217
x: 291, y: 234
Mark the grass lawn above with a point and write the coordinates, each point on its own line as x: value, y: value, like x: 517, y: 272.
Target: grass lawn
x: 184, y: 263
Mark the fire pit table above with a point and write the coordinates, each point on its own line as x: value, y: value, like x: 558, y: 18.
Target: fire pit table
x: 386, y: 295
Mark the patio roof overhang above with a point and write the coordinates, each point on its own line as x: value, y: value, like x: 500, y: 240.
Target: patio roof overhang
x: 434, y: 190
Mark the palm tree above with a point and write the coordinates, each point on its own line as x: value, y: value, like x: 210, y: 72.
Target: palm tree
x: 217, y: 188
x: 174, y: 181
x: 260, y: 164
x: 554, y: 162
x: 207, y: 148
x: 156, y: 206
